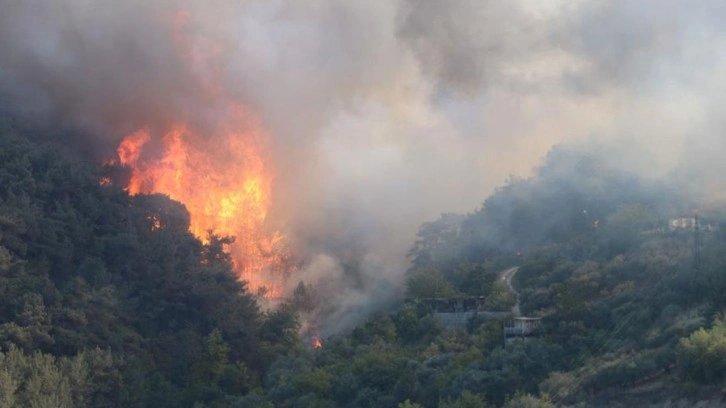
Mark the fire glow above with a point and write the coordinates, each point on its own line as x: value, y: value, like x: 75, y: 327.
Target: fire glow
x: 317, y: 343
x: 219, y: 172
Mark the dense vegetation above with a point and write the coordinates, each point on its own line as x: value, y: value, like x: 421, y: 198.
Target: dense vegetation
x: 630, y: 316
x: 107, y: 300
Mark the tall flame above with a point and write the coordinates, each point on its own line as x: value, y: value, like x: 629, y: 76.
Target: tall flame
x: 224, y: 183
x: 219, y: 173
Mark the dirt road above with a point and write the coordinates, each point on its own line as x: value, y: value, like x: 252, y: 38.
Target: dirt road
x: 506, y: 278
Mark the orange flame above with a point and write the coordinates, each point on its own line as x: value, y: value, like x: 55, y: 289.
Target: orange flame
x: 317, y: 343
x: 220, y: 173
x: 223, y: 182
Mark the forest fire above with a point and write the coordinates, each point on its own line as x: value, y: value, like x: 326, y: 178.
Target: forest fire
x: 218, y: 171
x: 225, y: 187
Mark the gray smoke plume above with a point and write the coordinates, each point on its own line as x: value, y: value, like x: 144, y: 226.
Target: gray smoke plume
x: 384, y: 114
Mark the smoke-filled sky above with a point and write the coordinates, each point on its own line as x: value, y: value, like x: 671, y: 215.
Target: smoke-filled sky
x: 384, y: 114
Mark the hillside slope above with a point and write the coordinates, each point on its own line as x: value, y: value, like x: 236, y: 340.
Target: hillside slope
x: 108, y: 300
x: 630, y: 315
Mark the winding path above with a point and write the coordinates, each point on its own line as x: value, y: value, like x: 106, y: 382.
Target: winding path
x: 506, y: 278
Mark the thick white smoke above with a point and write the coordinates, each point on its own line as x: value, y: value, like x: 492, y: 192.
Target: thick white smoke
x: 385, y: 113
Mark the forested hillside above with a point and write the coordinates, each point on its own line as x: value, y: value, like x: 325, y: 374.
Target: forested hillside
x: 383, y: 204
x: 631, y: 315
x: 107, y: 300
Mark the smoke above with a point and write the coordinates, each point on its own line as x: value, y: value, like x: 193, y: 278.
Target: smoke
x: 384, y: 114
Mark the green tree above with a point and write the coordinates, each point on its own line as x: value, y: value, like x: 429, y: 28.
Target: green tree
x: 528, y: 401
x: 466, y: 399
x: 702, y: 355
x: 317, y: 381
x: 428, y: 282
x: 409, y: 404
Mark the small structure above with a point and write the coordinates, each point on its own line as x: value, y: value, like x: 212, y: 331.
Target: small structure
x: 454, y: 304
x: 691, y: 224
x: 456, y: 312
x: 521, y: 327
x: 685, y: 223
